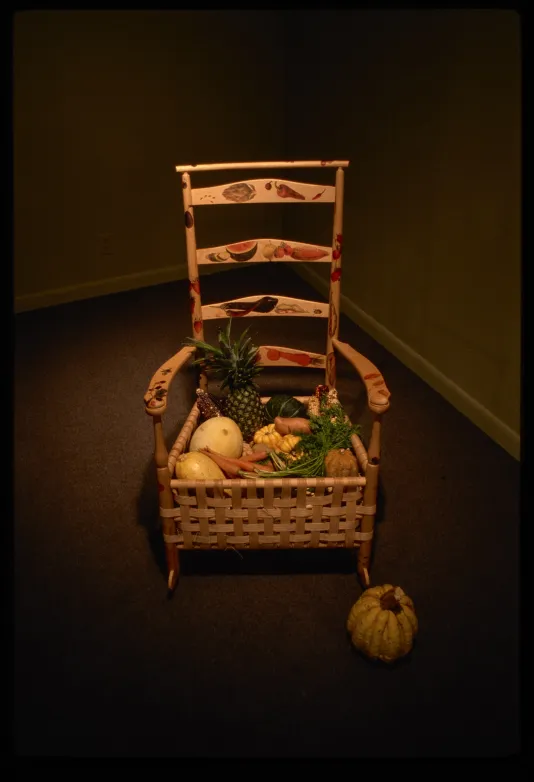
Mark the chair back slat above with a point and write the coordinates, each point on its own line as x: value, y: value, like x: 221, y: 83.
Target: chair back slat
x: 276, y: 356
x: 264, y: 250
x: 263, y: 191
x: 265, y: 305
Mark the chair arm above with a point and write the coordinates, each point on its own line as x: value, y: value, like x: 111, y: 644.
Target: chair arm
x: 156, y: 397
x: 377, y: 392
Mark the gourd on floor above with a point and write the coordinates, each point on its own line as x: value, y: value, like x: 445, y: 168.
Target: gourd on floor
x: 383, y: 624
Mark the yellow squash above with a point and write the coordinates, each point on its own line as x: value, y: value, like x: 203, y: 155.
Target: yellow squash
x: 289, y: 441
x: 268, y: 435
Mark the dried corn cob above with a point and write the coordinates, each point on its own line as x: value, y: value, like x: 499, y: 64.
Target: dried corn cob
x: 247, y: 450
x: 313, y: 406
x: 320, y: 391
x: 331, y: 398
x: 322, y: 396
x: 206, y: 405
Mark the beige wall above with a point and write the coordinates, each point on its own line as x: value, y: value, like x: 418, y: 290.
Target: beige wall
x: 426, y: 105
x: 105, y: 104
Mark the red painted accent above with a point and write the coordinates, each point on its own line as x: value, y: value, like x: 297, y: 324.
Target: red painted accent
x: 192, y: 305
x: 315, y: 197
x: 383, y: 392
x: 336, y: 275
x: 379, y: 383
x: 197, y: 325
x: 330, y: 368
x: 161, y: 487
x: 303, y: 359
x: 194, y: 285
x: 332, y: 323
x: 339, y: 238
x: 371, y: 376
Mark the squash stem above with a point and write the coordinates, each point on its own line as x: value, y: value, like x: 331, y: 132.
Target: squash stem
x: 389, y: 601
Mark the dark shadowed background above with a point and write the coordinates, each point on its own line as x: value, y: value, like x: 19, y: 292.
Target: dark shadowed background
x: 250, y: 658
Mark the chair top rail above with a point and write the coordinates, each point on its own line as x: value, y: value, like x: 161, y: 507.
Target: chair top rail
x: 267, y: 164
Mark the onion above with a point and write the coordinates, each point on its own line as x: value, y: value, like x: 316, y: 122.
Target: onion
x: 221, y: 434
x: 261, y: 447
x: 197, y: 467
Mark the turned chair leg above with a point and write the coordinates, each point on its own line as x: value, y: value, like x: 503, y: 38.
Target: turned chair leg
x: 166, y: 502
x: 364, y: 556
x: 173, y: 561
x: 173, y: 566
x: 368, y: 522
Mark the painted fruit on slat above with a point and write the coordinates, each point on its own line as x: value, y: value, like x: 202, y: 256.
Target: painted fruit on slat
x: 243, y: 251
x: 240, y: 192
x: 218, y: 257
x: 307, y: 254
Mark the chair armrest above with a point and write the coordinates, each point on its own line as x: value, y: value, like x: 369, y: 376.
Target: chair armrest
x: 377, y: 392
x: 156, y: 397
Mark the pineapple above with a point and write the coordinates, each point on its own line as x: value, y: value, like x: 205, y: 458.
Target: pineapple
x: 235, y: 363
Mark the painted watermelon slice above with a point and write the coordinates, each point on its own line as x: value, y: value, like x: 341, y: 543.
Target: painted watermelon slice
x: 243, y: 251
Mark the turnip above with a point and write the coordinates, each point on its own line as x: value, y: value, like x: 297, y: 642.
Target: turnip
x: 197, y: 466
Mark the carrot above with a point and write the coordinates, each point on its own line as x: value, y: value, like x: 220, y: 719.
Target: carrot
x: 260, y: 471
x: 229, y: 469
x: 257, y: 456
x: 266, y: 467
x: 236, y: 464
x: 291, y: 425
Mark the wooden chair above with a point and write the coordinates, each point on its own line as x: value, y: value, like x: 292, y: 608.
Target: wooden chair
x: 277, y: 513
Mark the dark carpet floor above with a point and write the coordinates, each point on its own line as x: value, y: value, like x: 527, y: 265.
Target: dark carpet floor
x: 250, y: 658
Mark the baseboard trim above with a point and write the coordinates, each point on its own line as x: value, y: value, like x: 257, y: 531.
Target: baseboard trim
x: 500, y: 432
x: 89, y: 290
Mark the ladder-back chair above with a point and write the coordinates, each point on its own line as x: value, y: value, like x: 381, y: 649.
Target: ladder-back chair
x: 283, y: 512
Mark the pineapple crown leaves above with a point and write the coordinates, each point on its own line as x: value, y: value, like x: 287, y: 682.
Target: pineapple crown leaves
x: 235, y: 362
